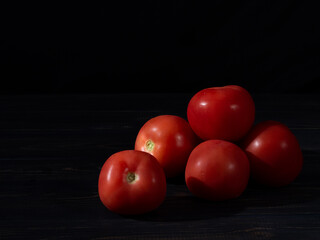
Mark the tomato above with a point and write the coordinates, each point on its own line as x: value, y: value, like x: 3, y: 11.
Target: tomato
x: 225, y: 113
x: 217, y: 170
x: 170, y: 140
x: 274, y: 153
x: 132, y: 182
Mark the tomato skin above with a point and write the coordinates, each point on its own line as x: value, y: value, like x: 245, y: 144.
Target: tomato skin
x: 143, y: 194
x: 225, y: 113
x: 217, y: 170
x: 274, y: 154
x: 170, y: 140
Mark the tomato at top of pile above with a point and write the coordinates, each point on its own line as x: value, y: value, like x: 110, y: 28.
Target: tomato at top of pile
x: 225, y: 113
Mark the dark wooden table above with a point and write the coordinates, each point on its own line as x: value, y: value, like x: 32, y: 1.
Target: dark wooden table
x: 53, y: 146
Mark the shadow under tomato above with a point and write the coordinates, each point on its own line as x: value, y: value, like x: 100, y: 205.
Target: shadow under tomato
x: 181, y: 205
x: 178, y: 180
x: 299, y: 196
x: 255, y: 199
x: 186, y: 208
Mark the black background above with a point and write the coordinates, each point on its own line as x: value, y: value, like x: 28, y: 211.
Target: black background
x: 160, y: 46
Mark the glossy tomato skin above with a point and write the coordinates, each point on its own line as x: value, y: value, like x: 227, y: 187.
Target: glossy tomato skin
x: 225, y: 113
x: 132, y: 182
x: 217, y: 170
x: 170, y: 140
x: 274, y: 154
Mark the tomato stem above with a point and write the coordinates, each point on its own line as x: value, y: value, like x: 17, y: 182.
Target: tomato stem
x: 131, y: 177
x: 149, y: 145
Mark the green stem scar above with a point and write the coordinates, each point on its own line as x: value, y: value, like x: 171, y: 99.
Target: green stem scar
x: 149, y: 145
x: 131, y: 177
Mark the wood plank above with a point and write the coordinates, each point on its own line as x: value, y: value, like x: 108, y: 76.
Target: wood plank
x: 53, y: 147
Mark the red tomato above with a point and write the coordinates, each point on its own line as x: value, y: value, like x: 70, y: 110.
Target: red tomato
x: 274, y: 153
x: 225, y: 113
x: 170, y: 139
x: 132, y: 182
x: 217, y: 170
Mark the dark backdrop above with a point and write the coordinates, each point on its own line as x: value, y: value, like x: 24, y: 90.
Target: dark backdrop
x: 157, y: 46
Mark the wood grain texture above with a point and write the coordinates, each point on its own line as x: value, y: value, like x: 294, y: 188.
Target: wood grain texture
x: 53, y: 146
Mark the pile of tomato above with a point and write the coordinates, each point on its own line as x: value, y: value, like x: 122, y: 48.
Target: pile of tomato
x: 218, y: 149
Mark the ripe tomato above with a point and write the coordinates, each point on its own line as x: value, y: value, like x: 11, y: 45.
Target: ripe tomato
x: 170, y: 140
x: 217, y: 170
x: 225, y: 113
x: 132, y: 182
x: 274, y: 154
